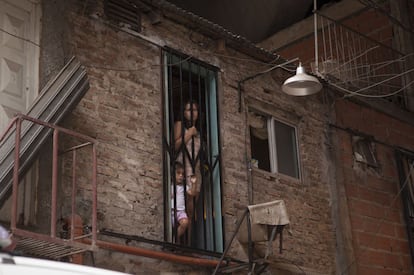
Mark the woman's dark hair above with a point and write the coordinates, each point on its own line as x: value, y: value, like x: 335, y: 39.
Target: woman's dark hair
x: 188, y: 124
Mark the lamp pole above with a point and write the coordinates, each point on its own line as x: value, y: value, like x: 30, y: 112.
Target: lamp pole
x: 315, y: 23
x: 240, y: 82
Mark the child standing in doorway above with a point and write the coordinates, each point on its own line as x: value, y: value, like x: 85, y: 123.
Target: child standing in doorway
x: 179, y: 214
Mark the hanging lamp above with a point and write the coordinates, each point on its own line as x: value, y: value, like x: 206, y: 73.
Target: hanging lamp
x: 301, y: 84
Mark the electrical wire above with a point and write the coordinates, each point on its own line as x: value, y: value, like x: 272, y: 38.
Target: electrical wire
x: 271, y: 63
x: 146, y: 67
x: 273, y: 66
x: 138, y: 69
x: 358, y: 92
x: 21, y: 38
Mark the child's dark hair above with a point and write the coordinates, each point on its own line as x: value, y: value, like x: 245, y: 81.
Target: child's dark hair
x: 178, y: 165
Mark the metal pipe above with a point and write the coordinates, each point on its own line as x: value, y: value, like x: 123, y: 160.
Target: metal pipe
x: 239, y: 223
x: 61, y: 129
x: 94, y: 194
x: 16, y: 174
x: 154, y: 254
x: 315, y: 23
x: 250, y: 242
x: 9, y: 127
x: 240, y: 82
x: 53, y: 206
x: 76, y: 147
x: 72, y: 224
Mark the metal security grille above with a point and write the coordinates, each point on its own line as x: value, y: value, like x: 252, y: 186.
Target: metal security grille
x: 188, y: 80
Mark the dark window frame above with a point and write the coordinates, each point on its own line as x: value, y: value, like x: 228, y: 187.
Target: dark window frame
x: 187, y: 73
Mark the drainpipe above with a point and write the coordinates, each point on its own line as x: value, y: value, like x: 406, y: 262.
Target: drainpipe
x: 154, y: 254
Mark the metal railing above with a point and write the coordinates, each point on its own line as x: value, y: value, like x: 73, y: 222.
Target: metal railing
x: 360, y: 64
x: 51, y: 245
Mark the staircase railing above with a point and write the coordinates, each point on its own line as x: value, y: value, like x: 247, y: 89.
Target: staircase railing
x: 52, y: 246
x: 57, y: 99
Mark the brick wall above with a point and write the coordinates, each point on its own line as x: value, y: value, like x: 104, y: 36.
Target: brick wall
x: 373, y: 199
x: 122, y: 110
x: 368, y: 212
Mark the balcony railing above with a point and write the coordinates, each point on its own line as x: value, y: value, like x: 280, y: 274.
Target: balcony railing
x: 50, y: 244
x: 361, y: 65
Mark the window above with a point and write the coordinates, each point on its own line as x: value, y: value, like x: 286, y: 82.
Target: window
x: 364, y: 150
x: 273, y: 145
x: 190, y: 101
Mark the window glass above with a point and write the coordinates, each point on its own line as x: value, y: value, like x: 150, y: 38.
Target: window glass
x: 273, y: 145
x: 287, y: 161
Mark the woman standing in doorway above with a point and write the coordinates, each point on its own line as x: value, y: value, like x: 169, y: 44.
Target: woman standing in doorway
x: 187, y: 144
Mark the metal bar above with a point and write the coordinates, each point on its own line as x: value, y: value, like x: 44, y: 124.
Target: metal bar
x: 52, y: 238
x: 94, y: 195
x: 76, y: 147
x: 61, y: 129
x: 331, y: 51
x: 246, y: 211
x: 201, y: 152
x: 315, y: 25
x: 156, y: 254
x: 56, y: 99
x: 172, y: 156
x: 361, y: 34
x: 240, y: 82
x: 182, y: 148
x: 53, y: 206
x: 250, y: 243
x: 349, y: 53
x: 269, y: 70
x: 217, y: 121
x: 335, y: 35
x: 343, y: 57
x: 9, y: 127
x: 16, y: 174
x: 269, y: 244
x: 154, y: 242
x: 72, y: 217
x: 36, y: 238
x: 324, y: 41
x: 281, y: 240
x: 355, y: 67
x: 210, y: 153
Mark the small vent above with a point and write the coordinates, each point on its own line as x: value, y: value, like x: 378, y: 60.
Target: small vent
x: 364, y: 151
x: 123, y: 13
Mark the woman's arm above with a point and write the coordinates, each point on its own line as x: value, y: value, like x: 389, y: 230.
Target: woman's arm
x: 177, y: 134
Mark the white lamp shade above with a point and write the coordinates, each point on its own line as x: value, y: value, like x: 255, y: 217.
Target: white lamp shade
x: 301, y: 84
